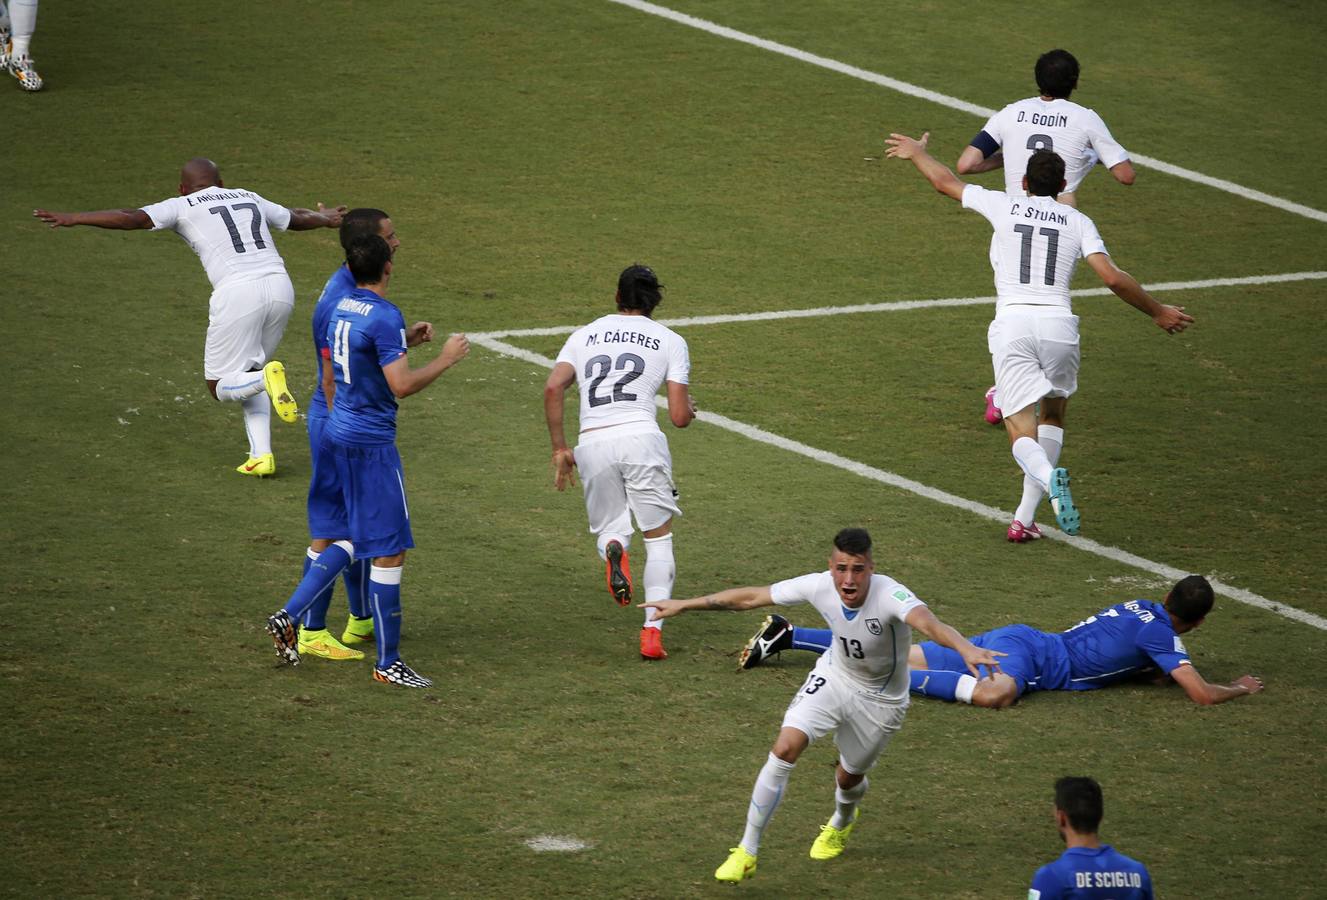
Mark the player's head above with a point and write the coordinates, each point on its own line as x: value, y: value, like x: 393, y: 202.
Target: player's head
x: 362, y: 221
x: 199, y: 173
x: 1189, y: 602
x: 1045, y: 174
x: 851, y: 567
x: 1057, y: 74
x: 370, y: 259
x: 638, y: 289
x: 1078, y: 805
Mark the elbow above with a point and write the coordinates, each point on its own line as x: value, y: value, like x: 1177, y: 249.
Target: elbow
x: 681, y: 420
x: 962, y: 167
x: 1126, y: 178
x: 1204, y: 699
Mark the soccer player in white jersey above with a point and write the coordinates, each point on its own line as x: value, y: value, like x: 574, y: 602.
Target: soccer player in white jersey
x: 18, y: 21
x: 1033, y: 340
x: 621, y: 361
x: 1052, y: 122
x: 858, y: 691
x: 252, y: 297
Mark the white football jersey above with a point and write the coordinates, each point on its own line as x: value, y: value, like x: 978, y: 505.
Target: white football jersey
x: 1036, y: 245
x: 871, y: 642
x: 229, y: 230
x: 621, y: 362
x: 1060, y: 126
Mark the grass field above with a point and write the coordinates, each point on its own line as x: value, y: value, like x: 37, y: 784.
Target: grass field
x: 527, y: 151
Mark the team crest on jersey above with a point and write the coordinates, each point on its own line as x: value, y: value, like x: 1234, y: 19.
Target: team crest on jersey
x: 874, y: 626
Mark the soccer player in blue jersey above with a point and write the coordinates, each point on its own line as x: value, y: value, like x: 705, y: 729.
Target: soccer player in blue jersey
x: 367, y: 340
x: 1088, y: 869
x: 1120, y: 642
x: 326, y: 511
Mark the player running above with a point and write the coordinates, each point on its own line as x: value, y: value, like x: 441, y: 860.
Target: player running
x: 858, y: 692
x: 1033, y: 340
x: 252, y: 297
x: 621, y: 360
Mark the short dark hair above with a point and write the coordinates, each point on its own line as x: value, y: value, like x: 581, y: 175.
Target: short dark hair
x: 1045, y: 174
x: 855, y: 541
x: 368, y: 256
x: 1079, y: 798
x: 1057, y: 73
x: 639, y: 288
x: 359, y: 222
x: 1190, y: 599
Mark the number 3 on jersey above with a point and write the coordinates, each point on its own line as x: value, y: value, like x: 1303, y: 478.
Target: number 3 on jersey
x: 341, y: 349
x: 600, y: 367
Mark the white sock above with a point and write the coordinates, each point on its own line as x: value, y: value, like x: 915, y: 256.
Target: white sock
x: 240, y: 386
x: 845, y: 803
x: 1032, y: 459
x: 659, y: 573
x: 765, y: 797
x: 963, y: 690
x: 23, y: 21
x: 4, y: 16
x: 1051, y: 439
x: 258, y: 425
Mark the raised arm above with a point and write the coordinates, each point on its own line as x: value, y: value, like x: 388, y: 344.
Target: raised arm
x: 733, y: 598
x: 1171, y: 319
x: 555, y: 389
x: 681, y: 408
x: 922, y: 619
x: 322, y: 217
x: 405, y: 381
x: 122, y: 219
x: 1204, y: 693
x: 903, y: 147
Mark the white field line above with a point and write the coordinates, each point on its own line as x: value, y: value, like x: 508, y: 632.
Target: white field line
x: 939, y: 496
x: 922, y: 93
x: 899, y: 305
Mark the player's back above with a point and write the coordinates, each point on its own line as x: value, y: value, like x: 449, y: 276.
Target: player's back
x: 1119, y: 642
x: 1092, y: 873
x: 1036, y: 243
x: 229, y: 229
x: 621, y: 361
x: 340, y: 284
x: 1058, y: 125
x: 365, y: 333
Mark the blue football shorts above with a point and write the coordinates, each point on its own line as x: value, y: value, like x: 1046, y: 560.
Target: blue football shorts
x: 327, y: 505
x: 373, y: 488
x: 1029, y: 660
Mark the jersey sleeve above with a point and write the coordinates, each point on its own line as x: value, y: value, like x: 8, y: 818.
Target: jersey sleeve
x: 1090, y: 239
x: 1045, y: 885
x: 679, y: 361
x: 1099, y: 137
x: 795, y: 590
x: 567, y: 354
x: 993, y: 131
x: 164, y: 215
x: 277, y: 216
x: 388, y: 335
x: 988, y: 203
x: 1160, y: 642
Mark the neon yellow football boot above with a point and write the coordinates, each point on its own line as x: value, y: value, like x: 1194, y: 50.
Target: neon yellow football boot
x: 258, y: 465
x: 737, y: 866
x: 358, y: 631
x: 321, y: 643
x: 832, y: 840
x: 283, y: 401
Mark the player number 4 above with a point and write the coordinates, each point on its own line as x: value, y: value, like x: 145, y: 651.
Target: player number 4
x: 341, y: 349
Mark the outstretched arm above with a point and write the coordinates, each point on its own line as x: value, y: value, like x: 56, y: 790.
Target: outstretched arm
x: 564, y: 461
x: 322, y: 217
x: 1204, y: 693
x: 123, y: 219
x: 926, y: 622
x: 733, y: 598
x: 1171, y: 319
x: 903, y: 147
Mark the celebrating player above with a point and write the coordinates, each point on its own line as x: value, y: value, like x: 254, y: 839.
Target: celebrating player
x: 1088, y: 869
x: 252, y: 296
x: 621, y: 360
x: 858, y: 692
x: 366, y: 345
x: 1047, y: 122
x: 1120, y: 642
x: 1034, y: 339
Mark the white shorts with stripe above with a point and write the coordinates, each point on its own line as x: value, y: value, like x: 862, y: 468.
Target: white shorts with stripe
x: 1034, y: 351
x: 862, y: 722
x: 627, y: 471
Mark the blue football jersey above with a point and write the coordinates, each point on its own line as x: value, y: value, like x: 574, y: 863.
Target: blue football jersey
x: 341, y: 284
x: 1120, y: 641
x: 365, y: 333
x: 1083, y: 873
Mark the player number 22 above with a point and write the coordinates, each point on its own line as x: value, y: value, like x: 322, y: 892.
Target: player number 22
x: 600, y: 367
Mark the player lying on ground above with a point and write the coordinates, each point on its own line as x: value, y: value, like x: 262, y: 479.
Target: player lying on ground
x: 858, y: 692
x: 1124, y: 641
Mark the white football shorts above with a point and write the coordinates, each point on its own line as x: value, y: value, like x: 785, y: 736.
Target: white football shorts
x: 1034, y: 352
x: 627, y: 471
x: 862, y: 724
x: 245, y: 322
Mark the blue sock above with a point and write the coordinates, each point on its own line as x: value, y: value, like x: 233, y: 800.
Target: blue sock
x: 936, y: 683
x: 385, y: 597
x: 321, y: 575
x: 357, y: 588
x: 815, y: 639
x: 315, y: 617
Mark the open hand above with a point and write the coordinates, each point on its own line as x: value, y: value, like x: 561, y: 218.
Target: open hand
x: 564, y: 468
x: 903, y: 147
x: 54, y: 219
x: 1172, y: 319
